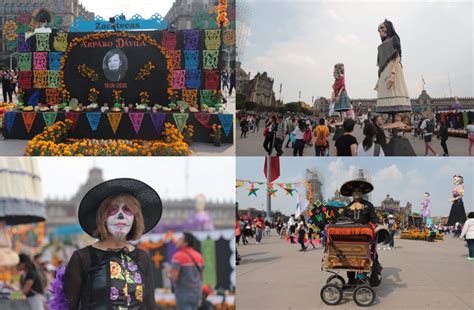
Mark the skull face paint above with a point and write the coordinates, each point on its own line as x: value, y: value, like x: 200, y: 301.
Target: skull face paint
x: 357, y: 194
x: 120, y: 220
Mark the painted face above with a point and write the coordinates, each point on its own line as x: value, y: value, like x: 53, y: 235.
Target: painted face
x: 357, y: 194
x: 337, y: 72
x: 457, y: 180
x: 120, y: 220
x: 114, y: 62
x: 426, y: 195
x: 382, y: 30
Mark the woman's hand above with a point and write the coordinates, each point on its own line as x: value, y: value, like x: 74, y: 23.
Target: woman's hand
x: 390, y: 80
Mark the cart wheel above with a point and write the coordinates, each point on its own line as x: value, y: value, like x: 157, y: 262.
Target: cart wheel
x: 364, y: 295
x: 331, y: 294
x: 336, y: 279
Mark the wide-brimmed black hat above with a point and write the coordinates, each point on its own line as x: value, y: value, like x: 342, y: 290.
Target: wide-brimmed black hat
x: 149, y: 199
x: 348, y: 187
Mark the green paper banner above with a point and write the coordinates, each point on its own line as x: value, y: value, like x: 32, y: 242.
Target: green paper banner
x: 180, y: 120
x: 208, y: 251
x: 49, y: 118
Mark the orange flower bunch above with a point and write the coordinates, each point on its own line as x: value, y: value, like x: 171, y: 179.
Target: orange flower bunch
x: 88, y: 73
x: 93, y: 95
x: 145, y: 71
x: 10, y: 30
x: 216, y: 132
x: 53, y: 141
x: 144, y: 97
x: 117, y: 94
x: 222, y: 14
x: 65, y: 95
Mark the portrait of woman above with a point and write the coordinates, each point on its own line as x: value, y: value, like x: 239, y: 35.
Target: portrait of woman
x: 111, y: 273
x: 115, y: 65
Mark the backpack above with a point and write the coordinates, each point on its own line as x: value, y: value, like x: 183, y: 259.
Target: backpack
x: 429, y: 126
x: 320, y: 137
x: 307, y: 136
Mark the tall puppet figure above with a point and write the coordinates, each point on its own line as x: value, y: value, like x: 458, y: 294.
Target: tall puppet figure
x: 339, y: 93
x: 457, y: 213
x: 426, y: 213
x: 392, y: 94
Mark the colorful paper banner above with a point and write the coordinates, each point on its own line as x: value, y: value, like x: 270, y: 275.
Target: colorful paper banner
x: 203, y: 119
x: 9, y: 119
x: 157, y: 119
x: 28, y: 119
x: 180, y: 120
x: 93, y: 118
x: 208, y: 251
x: 114, y: 120
x: 73, y: 116
x: 49, y: 118
x: 136, y: 119
x: 226, y: 121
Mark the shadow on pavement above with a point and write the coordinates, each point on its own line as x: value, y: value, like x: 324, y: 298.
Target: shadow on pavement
x: 253, y: 254
x: 259, y: 260
x: 390, y: 281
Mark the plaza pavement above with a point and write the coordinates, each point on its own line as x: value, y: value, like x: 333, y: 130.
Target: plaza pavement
x: 416, y: 275
x: 253, y: 145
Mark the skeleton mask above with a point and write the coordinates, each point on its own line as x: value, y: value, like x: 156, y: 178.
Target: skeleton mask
x: 120, y: 220
x: 357, y: 194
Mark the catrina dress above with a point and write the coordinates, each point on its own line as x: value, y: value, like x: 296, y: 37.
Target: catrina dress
x: 343, y: 104
x: 457, y: 213
x: 109, y: 280
x: 394, y: 99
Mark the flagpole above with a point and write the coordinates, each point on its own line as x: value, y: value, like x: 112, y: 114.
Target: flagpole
x: 269, y: 196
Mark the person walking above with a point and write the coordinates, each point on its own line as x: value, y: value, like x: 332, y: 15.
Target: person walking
x: 243, y: 231
x: 238, y: 231
x: 392, y: 227
x: 271, y: 127
x: 470, y: 136
x: 30, y: 281
x: 368, y: 147
x: 260, y: 226
x: 244, y: 127
x: 468, y: 232
x: 321, y: 134
x: 380, y: 137
x: 301, y: 231
x: 427, y: 126
x: 443, y: 136
x: 280, y: 135
x: 346, y: 144
x: 7, y: 82
x: 299, y: 131
x: 311, y: 228
x: 291, y: 228
x: 187, y: 265
x: 291, y: 126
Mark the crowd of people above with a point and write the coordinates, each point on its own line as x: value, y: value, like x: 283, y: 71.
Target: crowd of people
x: 301, y: 132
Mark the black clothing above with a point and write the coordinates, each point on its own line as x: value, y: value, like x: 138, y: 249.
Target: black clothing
x: 206, y: 305
x: 37, y: 287
x: 381, y: 139
x: 362, y: 216
x: 457, y: 213
x: 86, y: 281
x: 343, y: 145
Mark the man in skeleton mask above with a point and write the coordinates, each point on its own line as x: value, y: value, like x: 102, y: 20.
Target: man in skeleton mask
x: 360, y: 211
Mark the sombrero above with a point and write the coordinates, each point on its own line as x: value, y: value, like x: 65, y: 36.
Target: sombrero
x: 348, y: 187
x: 149, y: 199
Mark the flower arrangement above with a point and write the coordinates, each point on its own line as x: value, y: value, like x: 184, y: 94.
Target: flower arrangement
x: 117, y: 95
x: 93, y: 95
x: 53, y: 141
x: 145, y: 71
x: 188, y: 133
x: 216, y: 134
x: 10, y: 30
x: 88, y: 73
x: 144, y: 97
x: 65, y: 96
x: 222, y: 14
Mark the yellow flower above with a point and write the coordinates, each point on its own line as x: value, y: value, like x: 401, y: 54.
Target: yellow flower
x: 115, y: 270
x: 139, y: 293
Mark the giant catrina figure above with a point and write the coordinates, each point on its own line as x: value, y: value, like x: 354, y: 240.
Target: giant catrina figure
x: 457, y: 213
x: 392, y: 94
x: 111, y: 273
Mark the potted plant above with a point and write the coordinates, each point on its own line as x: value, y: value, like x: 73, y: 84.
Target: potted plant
x: 216, y: 134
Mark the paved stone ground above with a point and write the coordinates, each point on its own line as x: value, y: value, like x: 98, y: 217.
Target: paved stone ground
x: 253, y: 145
x: 416, y: 275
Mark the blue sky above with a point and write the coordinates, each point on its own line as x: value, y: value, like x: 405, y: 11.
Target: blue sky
x: 405, y: 179
x: 298, y: 42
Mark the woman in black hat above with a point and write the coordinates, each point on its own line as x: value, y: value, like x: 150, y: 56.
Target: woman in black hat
x: 112, y: 273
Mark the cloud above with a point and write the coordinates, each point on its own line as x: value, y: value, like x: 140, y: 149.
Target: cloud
x: 388, y: 174
x: 347, y: 39
x: 334, y: 15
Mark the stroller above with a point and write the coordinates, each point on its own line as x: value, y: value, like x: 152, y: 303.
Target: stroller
x: 352, y: 247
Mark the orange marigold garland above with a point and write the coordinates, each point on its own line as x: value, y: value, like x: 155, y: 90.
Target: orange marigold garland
x: 88, y: 73
x: 145, y: 71
x: 222, y: 14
